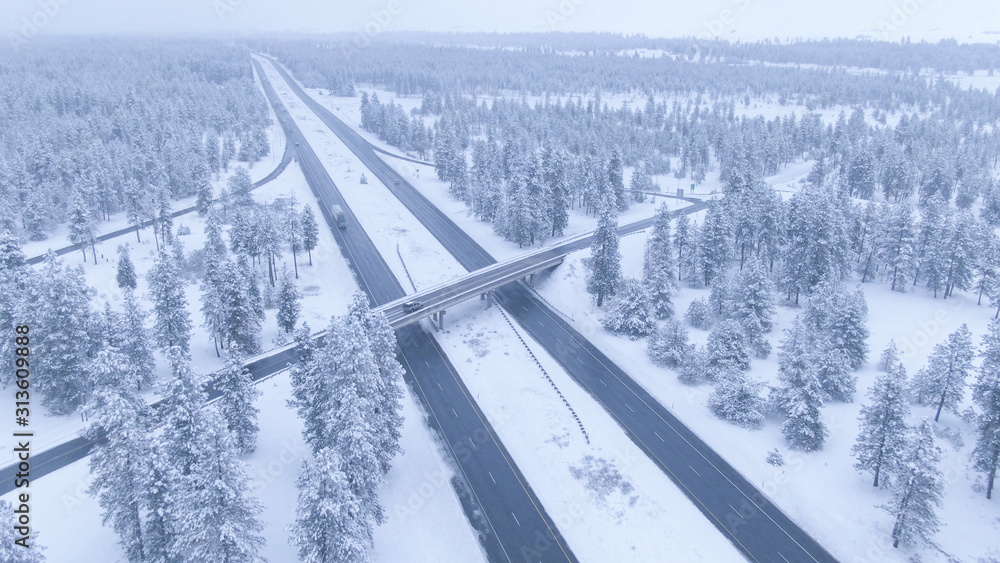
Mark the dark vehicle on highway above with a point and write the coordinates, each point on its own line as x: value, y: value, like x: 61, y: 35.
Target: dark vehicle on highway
x: 411, y: 306
x: 338, y: 216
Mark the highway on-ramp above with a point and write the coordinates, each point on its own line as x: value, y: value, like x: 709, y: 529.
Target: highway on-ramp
x: 758, y: 528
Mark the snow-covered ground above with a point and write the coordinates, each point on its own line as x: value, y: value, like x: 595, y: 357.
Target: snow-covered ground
x: 642, y: 516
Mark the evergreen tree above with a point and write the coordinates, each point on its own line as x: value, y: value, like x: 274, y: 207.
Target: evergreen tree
x: 172, y: 323
x: 727, y: 348
x: 799, y: 395
x: 942, y: 382
x: 236, y: 403
x: 203, y: 202
x: 240, y: 185
x: 605, y: 268
x: 641, y: 183
x: 136, y: 343
x: 288, y: 302
x: 125, y: 277
x: 669, y: 344
x: 737, y: 398
x: 119, y: 465
x: 61, y: 336
x: 330, y: 525
x: 12, y: 552
x: 387, y: 391
x: 683, y: 242
x: 630, y: 311
x: 917, y: 489
x: 217, y: 518
x: 882, y: 435
x: 889, y: 358
x: 81, y: 225
x: 350, y: 372
x: 616, y: 181
x: 659, y: 266
x: 713, y: 244
x: 986, y: 395
x: 310, y: 231
x: 833, y: 372
x: 183, y: 400
x: 895, y: 247
x: 243, y: 305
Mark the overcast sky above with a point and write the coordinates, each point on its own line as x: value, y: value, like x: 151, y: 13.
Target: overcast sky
x: 966, y: 20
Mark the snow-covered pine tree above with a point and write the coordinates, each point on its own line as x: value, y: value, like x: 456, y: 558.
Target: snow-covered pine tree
x: 288, y: 302
x: 962, y: 254
x: 136, y: 343
x: 882, y: 435
x: 240, y: 185
x: 27, y: 550
x: 889, y: 357
x: 683, y: 242
x: 81, y: 224
x: 895, y: 246
x: 668, y: 345
x: 699, y: 314
x: 630, y: 311
x: 125, y: 277
x: 217, y: 518
x: 659, y: 266
x: 387, y: 392
x: 833, y: 371
x: 986, y: 396
x: 236, y: 404
x: 172, y: 323
x: 917, y: 489
x: 737, y: 398
x: 203, y: 200
x: 349, y: 369
x: 293, y: 234
x: 119, y: 465
x: 713, y: 244
x: 727, y: 348
x: 616, y: 180
x: 183, y: 400
x: 604, y: 265
x: 310, y: 231
x: 61, y: 324
x: 942, y: 382
x: 330, y: 525
x: 641, y: 183
x: 243, y: 305
x: 799, y: 395
x: 932, y: 245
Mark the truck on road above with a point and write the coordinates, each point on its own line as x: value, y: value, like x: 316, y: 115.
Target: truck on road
x: 338, y: 216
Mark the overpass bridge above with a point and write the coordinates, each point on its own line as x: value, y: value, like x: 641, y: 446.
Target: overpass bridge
x: 479, y: 283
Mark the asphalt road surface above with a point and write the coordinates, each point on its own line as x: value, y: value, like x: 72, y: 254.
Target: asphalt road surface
x: 760, y: 530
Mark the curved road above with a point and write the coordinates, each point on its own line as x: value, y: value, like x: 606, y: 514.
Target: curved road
x: 755, y: 526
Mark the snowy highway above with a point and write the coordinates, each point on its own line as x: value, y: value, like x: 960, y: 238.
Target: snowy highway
x: 760, y: 530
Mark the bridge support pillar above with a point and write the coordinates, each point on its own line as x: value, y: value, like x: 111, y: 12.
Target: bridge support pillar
x: 441, y: 320
x: 489, y: 299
